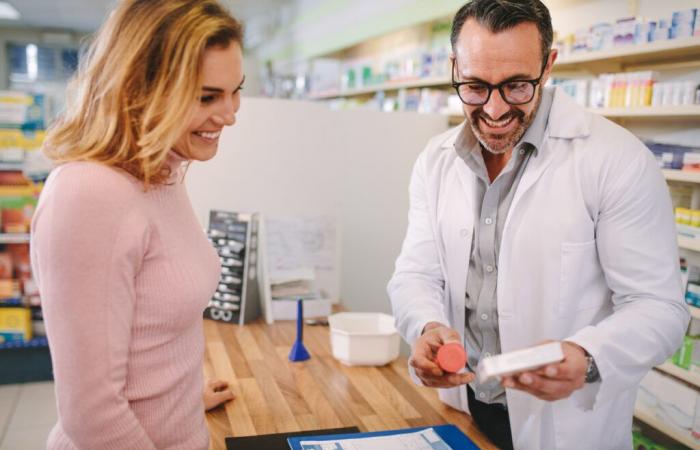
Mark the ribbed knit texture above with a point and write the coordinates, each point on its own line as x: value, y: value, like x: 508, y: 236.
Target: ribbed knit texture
x: 124, y: 275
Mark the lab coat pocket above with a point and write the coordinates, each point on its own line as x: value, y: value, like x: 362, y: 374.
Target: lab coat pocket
x: 580, y: 272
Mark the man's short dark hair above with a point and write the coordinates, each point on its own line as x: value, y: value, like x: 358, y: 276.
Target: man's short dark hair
x: 501, y: 15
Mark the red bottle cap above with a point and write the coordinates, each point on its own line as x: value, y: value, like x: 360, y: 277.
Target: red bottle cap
x: 451, y: 357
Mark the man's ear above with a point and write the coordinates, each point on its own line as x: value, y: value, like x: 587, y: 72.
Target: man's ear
x: 553, y: 54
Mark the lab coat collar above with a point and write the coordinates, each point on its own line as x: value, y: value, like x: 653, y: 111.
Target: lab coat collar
x: 567, y: 119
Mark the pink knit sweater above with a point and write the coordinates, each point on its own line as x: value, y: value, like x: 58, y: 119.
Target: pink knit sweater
x: 124, y: 275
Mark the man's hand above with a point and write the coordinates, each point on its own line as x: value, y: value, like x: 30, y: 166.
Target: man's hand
x: 423, y: 357
x: 555, y: 381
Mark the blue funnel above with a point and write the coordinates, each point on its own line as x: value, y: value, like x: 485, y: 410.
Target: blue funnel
x: 298, y: 352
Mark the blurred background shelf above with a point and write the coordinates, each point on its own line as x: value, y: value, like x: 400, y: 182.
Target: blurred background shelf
x: 689, y: 244
x: 649, y: 417
x: 682, y: 175
x: 679, y: 372
x: 14, y: 238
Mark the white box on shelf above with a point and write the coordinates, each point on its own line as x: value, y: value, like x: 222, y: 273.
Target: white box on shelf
x: 672, y: 401
x: 364, y: 339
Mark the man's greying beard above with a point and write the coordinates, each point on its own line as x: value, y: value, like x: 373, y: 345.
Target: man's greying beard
x: 503, y: 142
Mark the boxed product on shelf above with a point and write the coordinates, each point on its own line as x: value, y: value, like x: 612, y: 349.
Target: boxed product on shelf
x: 630, y: 30
x: 670, y: 156
x: 671, y: 401
x: 688, y: 355
x: 15, y: 324
x: 38, y: 327
x: 325, y: 74
x: 624, y: 31
x: 683, y: 23
x: 15, y: 142
x: 22, y: 110
x: 6, y: 270
x: 661, y: 32
x: 9, y: 289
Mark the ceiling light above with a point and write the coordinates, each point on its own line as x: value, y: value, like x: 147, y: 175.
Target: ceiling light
x: 8, y: 11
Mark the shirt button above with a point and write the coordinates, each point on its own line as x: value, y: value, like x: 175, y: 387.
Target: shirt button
x: 522, y: 151
x: 482, y: 395
x: 489, y: 269
x: 484, y: 316
x: 463, y: 232
x: 488, y: 221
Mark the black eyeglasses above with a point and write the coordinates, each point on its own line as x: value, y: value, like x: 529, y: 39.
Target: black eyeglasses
x: 513, y: 92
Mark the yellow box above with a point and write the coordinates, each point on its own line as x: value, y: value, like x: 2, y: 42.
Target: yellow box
x: 15, y: 324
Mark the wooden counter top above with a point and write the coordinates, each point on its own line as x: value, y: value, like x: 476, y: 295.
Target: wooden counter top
x: 274, y: 395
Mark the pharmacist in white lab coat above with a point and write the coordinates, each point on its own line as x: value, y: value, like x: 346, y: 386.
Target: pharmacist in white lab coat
x: 536, y: 220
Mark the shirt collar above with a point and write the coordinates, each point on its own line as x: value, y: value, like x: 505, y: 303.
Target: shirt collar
x: 535, y: 132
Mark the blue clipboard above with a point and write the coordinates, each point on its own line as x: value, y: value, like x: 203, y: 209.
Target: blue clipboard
x: 449, y: 433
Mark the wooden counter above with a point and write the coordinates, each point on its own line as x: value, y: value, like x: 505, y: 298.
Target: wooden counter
x: 274, y: 395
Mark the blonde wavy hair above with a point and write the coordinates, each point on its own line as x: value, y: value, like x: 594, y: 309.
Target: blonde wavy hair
x: 136, y: 84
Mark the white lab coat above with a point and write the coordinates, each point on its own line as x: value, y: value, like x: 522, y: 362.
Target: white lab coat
x: 588, y: 254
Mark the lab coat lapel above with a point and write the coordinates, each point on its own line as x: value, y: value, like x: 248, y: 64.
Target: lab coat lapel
x: 567, y: 121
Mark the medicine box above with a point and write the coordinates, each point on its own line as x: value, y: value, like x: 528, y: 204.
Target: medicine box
x: 22, y: 110
x: 15, y: 324
x: 510, y: 363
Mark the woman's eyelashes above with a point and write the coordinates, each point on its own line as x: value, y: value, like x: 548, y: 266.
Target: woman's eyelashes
x: 206, y: 99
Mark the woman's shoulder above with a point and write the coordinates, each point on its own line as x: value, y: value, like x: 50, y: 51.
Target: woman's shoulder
x: 93, y: 179
x: 90, y: 187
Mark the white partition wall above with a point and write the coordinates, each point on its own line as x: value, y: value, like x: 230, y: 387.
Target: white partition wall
x: 289, y: 158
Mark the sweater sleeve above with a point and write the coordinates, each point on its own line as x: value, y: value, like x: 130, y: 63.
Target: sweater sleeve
x: 87, y: 246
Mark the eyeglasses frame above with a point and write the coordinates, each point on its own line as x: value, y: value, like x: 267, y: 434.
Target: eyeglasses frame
x: 534, y: 82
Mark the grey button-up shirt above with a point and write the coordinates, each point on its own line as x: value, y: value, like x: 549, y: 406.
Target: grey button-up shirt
x: 492, y: 202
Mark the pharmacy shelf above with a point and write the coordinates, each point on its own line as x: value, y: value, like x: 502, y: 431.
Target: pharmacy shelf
x: 689, y: 243
x: 654, y: 52
x: 685, y: 176
x: 679, y: 372
x: 14, y: 238
x: 391, y: 86
x: 649, y: 417
x: 37, y: 342
x: 666, y: 112
x: 694, y: 311
x: 652, y: 112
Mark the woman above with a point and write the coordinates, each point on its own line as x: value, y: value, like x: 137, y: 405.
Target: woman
x: 123, y: 267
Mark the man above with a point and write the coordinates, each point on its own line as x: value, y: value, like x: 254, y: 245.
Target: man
x: 536, y: 220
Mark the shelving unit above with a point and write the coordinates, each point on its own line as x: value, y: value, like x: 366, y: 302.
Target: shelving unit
x: 694, y: 311
x: 651, y: 112
x: 670, y: 52
x: 689, y: 112
x: 391, y: 86
x: 683, y: 436
x: 689, y: 243
x: 682, y: 175
x: 14, y: 238
x: 633, y: 55
x: 679, y: 372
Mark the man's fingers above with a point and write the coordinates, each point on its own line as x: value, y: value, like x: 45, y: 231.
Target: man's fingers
x: 448, y: 380
x: 447, y: 335
x: 425, y: 365
x: 539, y: 385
